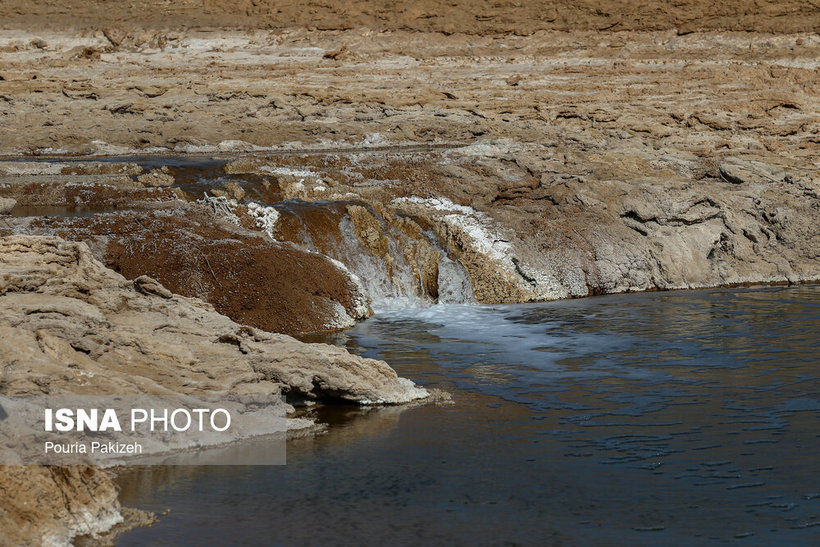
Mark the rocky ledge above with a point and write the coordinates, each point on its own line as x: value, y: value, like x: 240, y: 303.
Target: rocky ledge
x: 70, y: 325
x: 529, y: 222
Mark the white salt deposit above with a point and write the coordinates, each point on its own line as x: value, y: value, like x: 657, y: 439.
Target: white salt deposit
x: 265, y: 216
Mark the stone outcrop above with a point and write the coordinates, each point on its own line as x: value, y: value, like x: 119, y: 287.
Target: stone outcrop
x: 525, y: 230
x: 61, y: 309
x: 70, y: 325
x: 7, y: 205
x: 52, y: 505
x: 156, y: 178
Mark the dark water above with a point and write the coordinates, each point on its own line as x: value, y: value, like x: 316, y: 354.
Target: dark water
x: 195, y: 176
x: 664, y: 418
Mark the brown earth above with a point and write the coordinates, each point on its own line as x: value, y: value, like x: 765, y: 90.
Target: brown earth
x: 274, y: 286
x: 465, y: 16
x: 86, y: 193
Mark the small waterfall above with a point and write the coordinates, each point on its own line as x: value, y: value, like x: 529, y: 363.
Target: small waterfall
x: 398, y: 264
x: 454, y: 286
x: 381, y: 277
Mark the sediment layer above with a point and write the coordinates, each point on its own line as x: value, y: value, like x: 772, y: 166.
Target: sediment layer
x: 463, y: 16
x: 577, y: 163
x: 530, y: 222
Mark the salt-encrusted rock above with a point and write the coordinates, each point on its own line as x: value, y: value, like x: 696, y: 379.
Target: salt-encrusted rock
x: 739, y: 171
x: 63, y: 310
x: 52, y: 505
x: 157, y: 178
x: 533, y: 224
x: 148, y: 285
x: 70, y: 325
x: 7, y: 205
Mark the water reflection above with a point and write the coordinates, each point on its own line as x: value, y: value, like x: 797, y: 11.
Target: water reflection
x: 665, y: 382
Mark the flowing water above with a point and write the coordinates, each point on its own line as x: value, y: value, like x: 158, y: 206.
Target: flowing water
x: 684, y: 417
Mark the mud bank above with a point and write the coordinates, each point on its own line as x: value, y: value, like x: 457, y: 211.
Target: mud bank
x: 70, y: 325
x: 304, y: 242
x: 464, y: 16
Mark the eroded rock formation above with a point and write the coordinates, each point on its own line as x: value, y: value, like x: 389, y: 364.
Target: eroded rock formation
x: 52, y: 505
x: 61, y: 309
x: 70, y: 325
x: 533, y: 223
x: 501, y: 152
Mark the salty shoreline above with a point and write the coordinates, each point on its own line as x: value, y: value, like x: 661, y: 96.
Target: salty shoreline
x: 661, y: 417
x: 465, y: 153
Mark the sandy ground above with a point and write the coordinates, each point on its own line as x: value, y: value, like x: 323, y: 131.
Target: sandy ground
x: 466, y: 16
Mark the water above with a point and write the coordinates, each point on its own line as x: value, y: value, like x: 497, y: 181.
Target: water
x: 682, y: 418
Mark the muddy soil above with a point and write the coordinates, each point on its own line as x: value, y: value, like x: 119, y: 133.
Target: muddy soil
x: 273, y: 286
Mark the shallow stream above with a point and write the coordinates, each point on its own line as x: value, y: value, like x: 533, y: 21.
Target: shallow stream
x: 672, y: 417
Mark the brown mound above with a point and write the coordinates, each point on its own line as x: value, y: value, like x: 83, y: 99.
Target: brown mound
x: 253, y: 280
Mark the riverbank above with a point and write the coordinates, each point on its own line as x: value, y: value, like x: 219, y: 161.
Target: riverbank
x: 667, y: 418
x: 292, y: 166
x: 573, y: 163
x: 497, y: 222
x: 71, y: 326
